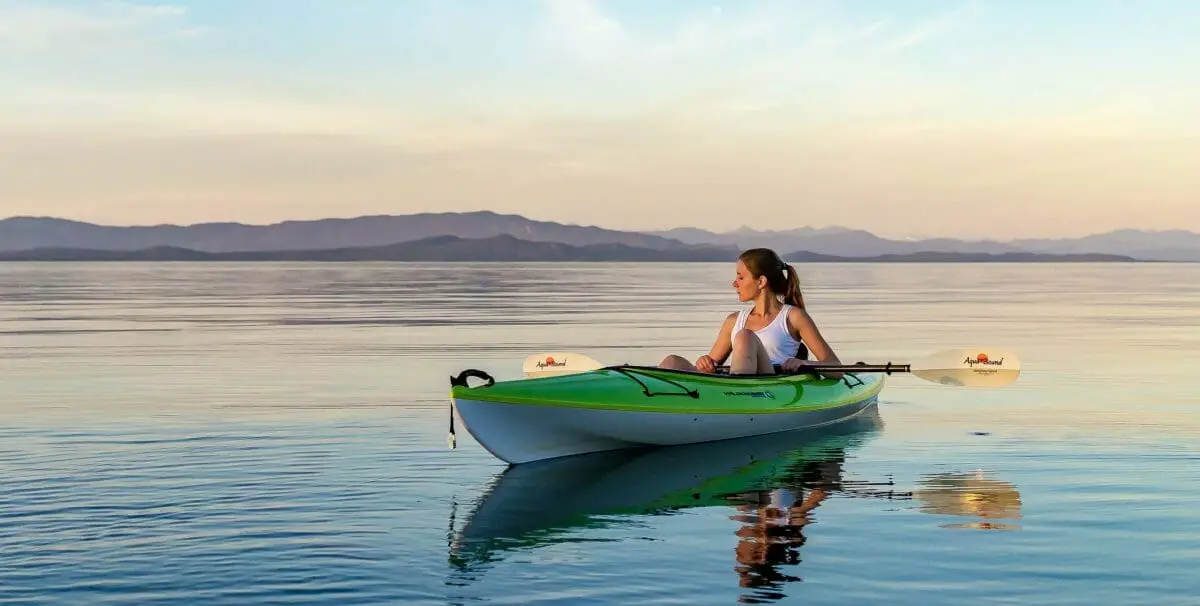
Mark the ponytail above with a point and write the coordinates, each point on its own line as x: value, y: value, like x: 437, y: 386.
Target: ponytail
x: 793, y: 296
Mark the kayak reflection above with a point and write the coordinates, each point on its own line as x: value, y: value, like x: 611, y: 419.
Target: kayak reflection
x: 771, y: 481
x: 971, y: 495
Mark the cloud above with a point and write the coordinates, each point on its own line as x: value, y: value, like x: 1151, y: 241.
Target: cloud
x: 773, y: 62
x: 769, y: 71
x: 740, y: 40
x: 581, y: 28
x: 936, y: 27
x: 584, y: 31
x: 27, y: 26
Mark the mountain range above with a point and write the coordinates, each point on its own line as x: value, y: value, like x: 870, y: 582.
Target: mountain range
x: 1170, y: 245
x: 22, y: 233
x: 508, y: 249
x: 485, y: 235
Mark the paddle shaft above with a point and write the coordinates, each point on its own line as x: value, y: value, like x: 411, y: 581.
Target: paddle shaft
x: 888, y: 368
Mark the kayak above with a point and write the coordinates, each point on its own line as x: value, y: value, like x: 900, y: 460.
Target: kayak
x: 630, y: 406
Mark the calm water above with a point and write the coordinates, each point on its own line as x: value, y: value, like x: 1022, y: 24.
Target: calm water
x: 208, y: 433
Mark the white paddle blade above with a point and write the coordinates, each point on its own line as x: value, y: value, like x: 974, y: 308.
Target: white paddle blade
x: 981, y: 367
x: 558, y: 363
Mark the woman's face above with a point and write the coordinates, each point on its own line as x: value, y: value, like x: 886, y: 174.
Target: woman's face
x: 746, y: 286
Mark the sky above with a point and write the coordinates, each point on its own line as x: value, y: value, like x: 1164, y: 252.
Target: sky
x: 981, y: 119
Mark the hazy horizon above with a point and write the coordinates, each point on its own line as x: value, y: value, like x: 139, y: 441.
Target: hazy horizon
x: 974, y: 120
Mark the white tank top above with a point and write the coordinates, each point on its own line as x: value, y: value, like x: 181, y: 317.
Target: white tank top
x: 776, y: 339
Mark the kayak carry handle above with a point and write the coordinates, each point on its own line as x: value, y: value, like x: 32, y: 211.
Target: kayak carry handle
x: 461, y: 379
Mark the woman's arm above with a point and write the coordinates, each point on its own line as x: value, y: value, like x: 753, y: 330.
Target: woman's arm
x: 802, y: 326
x: 721, y: 348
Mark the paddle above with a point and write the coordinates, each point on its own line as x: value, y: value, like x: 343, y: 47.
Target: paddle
x: 980, y: 367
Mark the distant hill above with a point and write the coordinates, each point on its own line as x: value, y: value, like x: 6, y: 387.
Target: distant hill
x: 502, y: 249
x: 24, y: 233
x: 1173, y: 245
x: 28, y: 233
x: 953, y: 257
x: 840, y: 241
x: 1165, y: 245
x: 436, y: 248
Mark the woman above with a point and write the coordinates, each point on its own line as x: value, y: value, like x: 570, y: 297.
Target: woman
x: 772, y: 332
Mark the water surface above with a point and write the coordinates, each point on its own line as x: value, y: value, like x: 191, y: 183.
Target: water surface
x: 276, y: 433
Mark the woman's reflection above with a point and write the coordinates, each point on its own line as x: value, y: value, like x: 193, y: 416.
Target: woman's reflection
x: 772, y: 525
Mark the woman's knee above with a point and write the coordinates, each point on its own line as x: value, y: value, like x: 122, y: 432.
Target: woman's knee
x: 744, y: 338
x: 674, y: 361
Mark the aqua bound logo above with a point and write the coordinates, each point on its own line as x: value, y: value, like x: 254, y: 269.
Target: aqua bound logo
x: 982, y: 359
x: 550, y: 361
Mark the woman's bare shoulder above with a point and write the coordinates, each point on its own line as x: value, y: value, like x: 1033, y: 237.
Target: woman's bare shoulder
x: 798, y: 316
x: 729, y: 320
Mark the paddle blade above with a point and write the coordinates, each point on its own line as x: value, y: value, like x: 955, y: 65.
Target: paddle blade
x: 980, y: 367
x: 558, y: 363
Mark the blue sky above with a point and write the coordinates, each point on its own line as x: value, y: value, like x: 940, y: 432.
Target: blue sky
x: 1003, y: 119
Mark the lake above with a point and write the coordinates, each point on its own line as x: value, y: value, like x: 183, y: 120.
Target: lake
x: 276, y: 433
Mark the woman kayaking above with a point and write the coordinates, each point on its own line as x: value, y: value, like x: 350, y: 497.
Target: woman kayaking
x: 775, y: 331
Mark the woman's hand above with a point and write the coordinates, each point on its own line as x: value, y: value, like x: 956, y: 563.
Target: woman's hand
x: 706, y: 364
x: 794, y: 364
